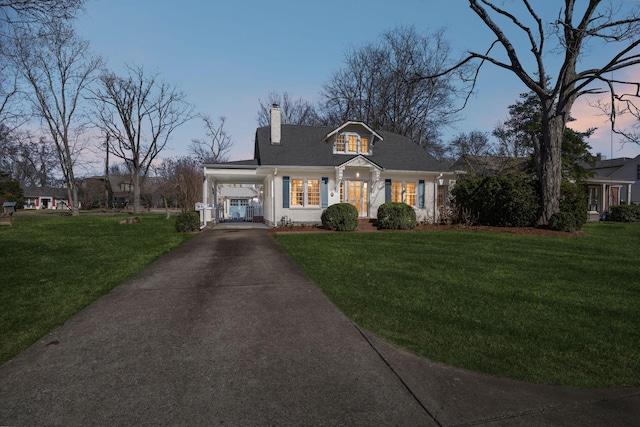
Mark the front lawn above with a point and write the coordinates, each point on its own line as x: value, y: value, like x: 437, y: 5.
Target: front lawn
x: 555, y: 310
x: 52, y: 267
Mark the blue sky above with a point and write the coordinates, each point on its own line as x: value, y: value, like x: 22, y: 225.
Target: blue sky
x: 227, y: 55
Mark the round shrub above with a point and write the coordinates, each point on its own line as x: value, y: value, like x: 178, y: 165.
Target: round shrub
x: 396, y: 216
x: 188, y: 221
x: 565, y: 221
x: 340, y: 217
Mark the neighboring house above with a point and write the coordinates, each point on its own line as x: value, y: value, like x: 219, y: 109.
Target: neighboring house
x: 304, y: 169
x: 118, y: 191
x: 45, y: 198
x: 613, y: 182
x: 238, y: 202
x: 475, y: 166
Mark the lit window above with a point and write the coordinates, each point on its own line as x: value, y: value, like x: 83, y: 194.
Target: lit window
x: 411, y: 193
x: 297, y: 192
x: 396, y: 191
x: 364, y: 145
x: 305, y: 190
x: 313, y: 192
x: 353, y: 144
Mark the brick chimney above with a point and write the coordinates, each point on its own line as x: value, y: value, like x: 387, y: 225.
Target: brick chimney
x: 600, y: 157
x: 276, y: 124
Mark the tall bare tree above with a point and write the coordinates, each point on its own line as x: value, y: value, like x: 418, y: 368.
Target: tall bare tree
x: 569, y: 36
x: 58, y: 68
x: 16, y: 18
x: 294, y: 111
x: 139, y: 112
x: 378, y: 86
x: 214, y: 148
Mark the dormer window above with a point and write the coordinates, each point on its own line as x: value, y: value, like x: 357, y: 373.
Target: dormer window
x: 351, y: 143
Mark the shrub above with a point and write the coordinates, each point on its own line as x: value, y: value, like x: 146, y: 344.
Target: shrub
x: 624, y: 213
x: 501, y: 201
x: 396, y: 216
x: 573, y: 200
x: 188, y: 221
x: 565, y: 221
x: 340, y: 217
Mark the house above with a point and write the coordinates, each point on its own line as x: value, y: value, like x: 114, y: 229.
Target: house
x: 614, y: 182
x: 45, y: 198
x: 304, y: 169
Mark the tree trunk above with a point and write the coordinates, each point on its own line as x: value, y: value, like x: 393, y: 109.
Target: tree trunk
x: 136, y: 193
x: 550, y: 168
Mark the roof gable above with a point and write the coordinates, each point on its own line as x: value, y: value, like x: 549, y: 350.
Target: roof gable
x: 353, y: 126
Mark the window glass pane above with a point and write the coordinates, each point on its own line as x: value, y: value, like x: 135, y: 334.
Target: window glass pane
x: 341, y: 191
x: 411, y: 193
x: 396, y: 191
x: 313, y: 192
x: 297, y: 192
x: 353, y: 144
x: 364, y: 145
x: 340, y: 143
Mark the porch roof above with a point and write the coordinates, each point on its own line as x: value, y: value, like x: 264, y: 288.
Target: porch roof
x: 242, y: 172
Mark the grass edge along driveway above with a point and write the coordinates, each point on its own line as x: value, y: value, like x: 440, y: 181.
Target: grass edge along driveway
x: 553, y: 310
x: 54, y: 266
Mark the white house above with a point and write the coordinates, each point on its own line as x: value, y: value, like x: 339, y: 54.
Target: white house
x: 614, y: 181
x: 303, y: 169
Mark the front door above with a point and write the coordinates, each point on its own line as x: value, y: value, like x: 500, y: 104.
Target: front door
x: 358, y: 196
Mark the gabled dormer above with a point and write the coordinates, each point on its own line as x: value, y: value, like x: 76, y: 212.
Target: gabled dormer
x: 353, y: 138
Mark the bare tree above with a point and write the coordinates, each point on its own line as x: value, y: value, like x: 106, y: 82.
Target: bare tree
x: 294, y: 112
x: 475, y: 143
x: 58, y: 67
x: 22, y: 13
x: 139, y: 112
x: 18, y: 17
x: 379, y: 86
x: 215, y: 147
x: 28, y: 159
x: 574, y: 31
x: 183, y: 181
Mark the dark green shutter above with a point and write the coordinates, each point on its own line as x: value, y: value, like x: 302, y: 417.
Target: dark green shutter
x: 285, y: 191
x: 421, y: 194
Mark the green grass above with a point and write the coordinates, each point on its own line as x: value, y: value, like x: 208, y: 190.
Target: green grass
x: 554, y: 310
x: 53, y: 267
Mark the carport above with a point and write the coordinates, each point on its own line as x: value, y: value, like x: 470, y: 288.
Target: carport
x: 235, y: 173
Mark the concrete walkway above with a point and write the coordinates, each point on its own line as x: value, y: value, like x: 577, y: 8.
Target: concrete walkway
x: 227, y: 330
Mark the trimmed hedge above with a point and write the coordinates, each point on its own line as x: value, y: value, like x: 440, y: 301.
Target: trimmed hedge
x: 564, y: 221
x: 396, y: 216
x: 188, y: 221
x: 340, y: 217
x: 501, y: 201
x: 624, y: 213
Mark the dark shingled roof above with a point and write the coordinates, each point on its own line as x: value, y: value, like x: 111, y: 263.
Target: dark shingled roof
x: 306, y: 146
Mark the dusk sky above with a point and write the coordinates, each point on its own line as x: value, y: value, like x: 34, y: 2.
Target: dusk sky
x: 227, y: 55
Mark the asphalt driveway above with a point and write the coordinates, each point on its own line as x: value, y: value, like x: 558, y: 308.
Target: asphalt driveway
x: 228, y: 330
